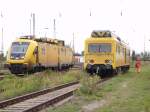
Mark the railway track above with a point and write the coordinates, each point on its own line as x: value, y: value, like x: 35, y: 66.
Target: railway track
x: 78, y: 66
x: 37, y: 101
x: 1, y: 77
x: 103, y: 80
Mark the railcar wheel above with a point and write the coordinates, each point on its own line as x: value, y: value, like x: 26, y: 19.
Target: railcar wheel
x: 60, y: 67
x: 115, y: 71
x: 119, y: 70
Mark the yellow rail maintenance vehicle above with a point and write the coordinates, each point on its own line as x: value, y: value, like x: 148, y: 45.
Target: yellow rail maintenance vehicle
x: 35, y: 54
x: 105, y: 53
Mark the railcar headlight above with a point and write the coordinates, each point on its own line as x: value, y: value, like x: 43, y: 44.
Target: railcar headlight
x: 108, y: 61
x: 91, y: 61
x: 11, y: 57
x: 22, y: 57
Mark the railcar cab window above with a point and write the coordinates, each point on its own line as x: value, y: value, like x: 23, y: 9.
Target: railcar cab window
x: 18, y: 49
x: 98, y: 48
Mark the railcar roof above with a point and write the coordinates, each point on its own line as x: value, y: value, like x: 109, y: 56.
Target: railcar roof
x: 106, y: 39
x: 101, y: 33
x: 31, y: 38
x: 105, y: 34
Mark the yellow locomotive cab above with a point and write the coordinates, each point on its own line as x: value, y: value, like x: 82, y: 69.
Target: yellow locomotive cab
x: 105, y: 54
x: 20, y: 57
x: 33, y: 54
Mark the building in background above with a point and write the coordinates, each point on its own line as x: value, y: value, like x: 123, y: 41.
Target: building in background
x: 78, y: 58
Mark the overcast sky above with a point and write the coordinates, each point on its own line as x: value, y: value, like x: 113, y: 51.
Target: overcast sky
x: 129, y: 19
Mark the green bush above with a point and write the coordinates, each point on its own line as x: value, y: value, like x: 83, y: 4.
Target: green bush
x: 89, y: 84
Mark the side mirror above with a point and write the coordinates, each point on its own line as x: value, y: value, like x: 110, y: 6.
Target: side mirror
x: 35, y: 52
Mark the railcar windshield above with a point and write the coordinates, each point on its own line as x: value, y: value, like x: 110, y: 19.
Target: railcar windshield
x: 100, y: 47
x: 18, y: 49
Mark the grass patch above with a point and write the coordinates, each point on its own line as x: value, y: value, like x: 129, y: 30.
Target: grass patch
x: 67, y: 108
x: 12, y: 85
x: 89, y: 84
x: 131, y: 94
x: 128, y: 92
x: 89, y: 88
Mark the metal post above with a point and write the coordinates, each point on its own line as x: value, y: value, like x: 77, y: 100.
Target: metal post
x: 54, y: 28
x: 73, y: 44
x: 30, y: 27
x: 33, y: 25
x: 144, y: 48
x: 2, y: 47
x: 144, y: 45
x: 2, y: 43
x: 46, y: 31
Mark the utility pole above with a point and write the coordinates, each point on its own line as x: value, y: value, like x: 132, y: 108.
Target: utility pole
x: 2, y: 46
x: 46, y: 28
x: 33, y: 25
x: 144, y: 45
x: 30, y: 26
x: 144, y: 48
x: 54, y: 25
x: 2, y: 43
x: 73, y: 44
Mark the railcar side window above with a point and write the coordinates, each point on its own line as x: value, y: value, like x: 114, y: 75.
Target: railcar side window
x: 119, y: 49
x: 103, y: 47
x: 43, y: 51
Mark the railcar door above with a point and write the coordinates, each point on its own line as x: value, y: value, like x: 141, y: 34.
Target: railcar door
x: 125, y: 55
x: 59, y: 58
x: 36, y: 55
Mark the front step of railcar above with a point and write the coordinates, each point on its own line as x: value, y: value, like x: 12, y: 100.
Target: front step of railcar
x: 18, y: 68
x: 101, y: 70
